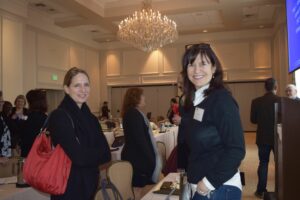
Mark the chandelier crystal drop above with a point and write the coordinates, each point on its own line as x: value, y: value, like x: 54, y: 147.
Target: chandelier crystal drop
x: 147, y: 29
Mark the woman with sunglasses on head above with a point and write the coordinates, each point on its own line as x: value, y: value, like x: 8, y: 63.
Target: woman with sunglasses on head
x: 214, y: 135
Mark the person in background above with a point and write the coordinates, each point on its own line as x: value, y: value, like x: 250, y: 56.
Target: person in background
x: 263, y: 114
x: 77, y: 130
x: 180, y: 120
x: 105, y: 111
x: 151, y: 121
x: 5, y: 135
x: 140, y: 146
x: 215, y: 135
x: 19, y: 112
x: 291, y: 92
x: 19, y: 116
x: 37, y: 102
x: 173, y: 110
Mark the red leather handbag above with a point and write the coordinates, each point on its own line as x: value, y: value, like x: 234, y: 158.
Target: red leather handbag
x: 46, y: 168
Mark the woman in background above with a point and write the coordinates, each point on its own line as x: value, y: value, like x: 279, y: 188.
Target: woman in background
x: 5, y: 134
x: 77, y: 130
x: 140, y: 146
x: 173, y: 110
x: 19, y: 116
x: 37, y: 102
x: 214, y: 133
x: 19, y: 111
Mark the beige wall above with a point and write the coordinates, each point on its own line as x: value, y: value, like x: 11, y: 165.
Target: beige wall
x: 11, y: 57
x: 52, y: 55
x: 30, y: 57
x: 244, y: 58
x: 280, y: 55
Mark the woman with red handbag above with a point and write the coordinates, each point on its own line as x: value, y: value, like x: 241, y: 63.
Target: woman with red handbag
x: 84, y: 143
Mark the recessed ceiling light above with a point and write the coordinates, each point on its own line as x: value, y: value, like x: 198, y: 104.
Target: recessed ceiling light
x: 205, y: 31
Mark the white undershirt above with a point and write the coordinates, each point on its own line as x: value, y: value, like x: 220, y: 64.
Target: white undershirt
x: 236, y: 179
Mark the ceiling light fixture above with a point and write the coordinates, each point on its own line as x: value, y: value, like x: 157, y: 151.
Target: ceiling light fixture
x: 147, y: 29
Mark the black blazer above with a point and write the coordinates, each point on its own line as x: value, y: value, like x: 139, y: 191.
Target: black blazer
x: 182, y: 147
x: 138, y: 149
x: 263, y: 114
x: 85, y: 145
x: 31, y: 128
x: 216, y: 142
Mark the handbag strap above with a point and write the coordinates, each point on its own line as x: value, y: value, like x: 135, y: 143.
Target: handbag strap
x: 47, y: 119
x: 105, y: 184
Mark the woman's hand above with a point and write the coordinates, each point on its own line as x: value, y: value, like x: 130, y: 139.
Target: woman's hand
x: 202, y: 189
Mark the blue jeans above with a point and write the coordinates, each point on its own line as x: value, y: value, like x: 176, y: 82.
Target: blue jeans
x: 262, y: 171
x: 224, y: 192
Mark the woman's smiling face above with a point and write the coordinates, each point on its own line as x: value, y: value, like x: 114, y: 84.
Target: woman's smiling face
x: 79, y: 89
x: 201, y: 71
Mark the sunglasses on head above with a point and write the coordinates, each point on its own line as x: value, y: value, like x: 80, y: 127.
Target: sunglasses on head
x: 200, y: 45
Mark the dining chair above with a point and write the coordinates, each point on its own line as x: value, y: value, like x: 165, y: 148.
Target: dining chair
x: 162, y: 151
x: 120, y: 174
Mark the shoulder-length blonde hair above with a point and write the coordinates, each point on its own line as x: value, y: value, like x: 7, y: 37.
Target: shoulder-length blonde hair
x: 131, y: 99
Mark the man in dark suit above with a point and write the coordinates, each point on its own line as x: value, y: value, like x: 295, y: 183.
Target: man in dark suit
x: 262, y: 114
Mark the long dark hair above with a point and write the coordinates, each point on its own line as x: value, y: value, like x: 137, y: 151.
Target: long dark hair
x: 132, y: 98
x: 205, y: 51
x: 37, y: 100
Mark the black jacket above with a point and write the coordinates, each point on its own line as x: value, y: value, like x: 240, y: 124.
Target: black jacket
x: 263, y: 114
x: 182, y: 147
x: 30, y: 129
x: 138, y: 149
x: 85, y: 145
x: 217, y: 142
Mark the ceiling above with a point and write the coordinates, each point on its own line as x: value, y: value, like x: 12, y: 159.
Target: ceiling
x: 100, y: 18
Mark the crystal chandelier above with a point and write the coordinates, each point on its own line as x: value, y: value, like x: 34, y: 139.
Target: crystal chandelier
x: 147, y: 29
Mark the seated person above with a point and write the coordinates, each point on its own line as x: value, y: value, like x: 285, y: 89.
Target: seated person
x: 151, y: 121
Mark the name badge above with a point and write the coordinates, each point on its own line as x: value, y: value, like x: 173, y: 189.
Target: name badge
x: 198, y: 114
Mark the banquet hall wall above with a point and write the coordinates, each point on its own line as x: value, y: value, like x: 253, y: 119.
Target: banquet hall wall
x: 35, y: 53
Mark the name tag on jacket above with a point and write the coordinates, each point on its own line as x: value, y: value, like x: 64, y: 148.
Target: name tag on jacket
x: 198, y: 114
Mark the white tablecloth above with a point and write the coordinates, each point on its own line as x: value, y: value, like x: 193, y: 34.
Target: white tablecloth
x: 151, y: 196
x: 10, y: 192
x: 169, y: 138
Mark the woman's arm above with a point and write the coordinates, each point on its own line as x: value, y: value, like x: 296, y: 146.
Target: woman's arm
x: 227, y: 121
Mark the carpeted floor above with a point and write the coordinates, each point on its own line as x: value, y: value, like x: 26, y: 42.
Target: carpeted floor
x: 249, y: 166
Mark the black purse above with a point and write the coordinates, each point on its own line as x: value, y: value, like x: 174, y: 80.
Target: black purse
x: 118, y: 142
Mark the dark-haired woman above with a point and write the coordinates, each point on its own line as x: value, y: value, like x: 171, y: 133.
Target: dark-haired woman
x: 140, y: 146
x: 215, y: 135
x: 77, y: 130
x: 36, y: 118
x: 5, y: 133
